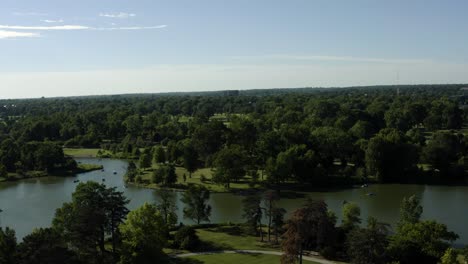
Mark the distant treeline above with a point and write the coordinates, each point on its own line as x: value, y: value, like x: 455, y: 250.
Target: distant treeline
x: 388, y: 133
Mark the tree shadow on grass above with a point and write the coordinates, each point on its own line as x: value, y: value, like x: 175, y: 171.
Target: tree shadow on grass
x: 230, y: 230
x: 185, y: 261
x: 249, y: 254
x: 212, y: 246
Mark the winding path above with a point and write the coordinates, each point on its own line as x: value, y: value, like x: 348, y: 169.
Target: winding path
x: 277, y: 253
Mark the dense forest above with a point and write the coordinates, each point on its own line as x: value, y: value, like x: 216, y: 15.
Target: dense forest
x: 318, y: 136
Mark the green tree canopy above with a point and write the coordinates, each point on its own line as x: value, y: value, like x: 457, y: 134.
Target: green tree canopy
x: 45, y: 246
x: 230, y: 165
x: 144, y: 235
x: 94, y: 212
x: 196, y: 204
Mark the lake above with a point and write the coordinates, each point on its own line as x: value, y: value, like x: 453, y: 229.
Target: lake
x: 31, y: 203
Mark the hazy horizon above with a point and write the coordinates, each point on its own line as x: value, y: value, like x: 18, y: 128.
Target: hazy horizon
x: 54, y: 48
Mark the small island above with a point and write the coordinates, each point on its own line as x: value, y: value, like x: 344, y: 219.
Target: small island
x: 38, y: 159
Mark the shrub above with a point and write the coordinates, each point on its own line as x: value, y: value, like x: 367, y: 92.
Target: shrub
x: 186, y: 238
x: 138, y: 179
x: 328, y: 252
x: 202, y: 178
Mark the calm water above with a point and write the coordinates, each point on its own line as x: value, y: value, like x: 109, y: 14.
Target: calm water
x: 32, y: 203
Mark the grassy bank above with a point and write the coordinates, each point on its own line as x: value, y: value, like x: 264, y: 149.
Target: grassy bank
x: 60, y: 173
x: 87, y: 153
x: 87, y: 168
x: 202, y: 176
x: 243, y: 258
x: 233, y: 237
x: 229, y: 237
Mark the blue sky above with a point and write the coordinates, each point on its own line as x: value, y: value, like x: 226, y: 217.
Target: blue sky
x: 65, y: 47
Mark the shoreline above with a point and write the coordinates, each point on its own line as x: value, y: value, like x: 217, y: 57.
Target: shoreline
x: 82, y: 168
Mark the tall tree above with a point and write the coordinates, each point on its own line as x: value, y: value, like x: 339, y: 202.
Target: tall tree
x: 417, y: 240
x: 167, y: 206
x: 159, y: 154
x: 190, y: 158
x: 277, y: 221
x: 271, y: 197
x: 390, y: 157
x: 410, y: 210
x: 196, y: 203
x: 309, y: 227
x: 368, y: 245
x: 443, y: 150
x: 8, y: 246
x: 116, y: 212
x: 93, y: 212
x: 253, y: 213
x: 144, y: 236
x: 351, y: 216
x: 45, y: 246
x: 132, y: 172
x: 424, y: 241
x: 165, y: 174
x: 230, y: 165
x: 145, y: 160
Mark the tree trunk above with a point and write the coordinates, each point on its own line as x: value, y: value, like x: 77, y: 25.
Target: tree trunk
x: 113, y: 238
x: 300, y: 255
x: 261, y: 231
x: 102, y: 246
x: 269, y: 221
x: 276, y: 235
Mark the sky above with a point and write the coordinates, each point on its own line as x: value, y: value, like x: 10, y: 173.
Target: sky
x: 89, y: 47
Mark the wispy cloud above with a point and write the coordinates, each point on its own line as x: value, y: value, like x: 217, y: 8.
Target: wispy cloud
x: 77, y: 27
x: 52, y: 21
x: 13, y: 34
x: 120, y: 15
x: 330, y: 58
x: 64, y: 27
x: 29, y: 14
x: 131, y: 28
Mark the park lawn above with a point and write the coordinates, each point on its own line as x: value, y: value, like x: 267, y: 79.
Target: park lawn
x: 207, y: 173
x: 233, y: 237
x: 81, y: 152
x: 234, y: 259
x: 87, y: 152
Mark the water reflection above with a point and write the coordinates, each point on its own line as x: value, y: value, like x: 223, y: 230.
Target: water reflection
x: 31, y: 203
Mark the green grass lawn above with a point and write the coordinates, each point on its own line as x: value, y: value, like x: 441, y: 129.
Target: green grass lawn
x: 228, y: 237
x: 86, y: 152
x: 81, y: 152
x: 206, y: 173
x: 232, y: 238
x: 233, y: 259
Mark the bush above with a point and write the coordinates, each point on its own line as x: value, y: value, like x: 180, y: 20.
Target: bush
x: 139, y: 179
x: 157, y: 177
x: 186, y: 238
x: 328, y: 252
x: 202, y: 178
